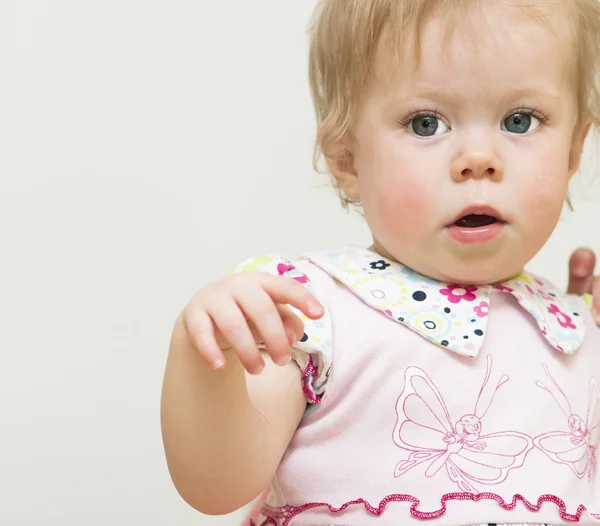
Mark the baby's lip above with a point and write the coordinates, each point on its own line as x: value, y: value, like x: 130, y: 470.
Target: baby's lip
x: 483, y: 210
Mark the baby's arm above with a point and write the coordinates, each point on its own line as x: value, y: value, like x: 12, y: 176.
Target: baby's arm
x: 225, y: 431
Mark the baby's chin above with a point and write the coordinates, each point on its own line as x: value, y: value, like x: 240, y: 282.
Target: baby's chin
x: 472, y: 268
x: 474, y: 272
x: 483, y: 265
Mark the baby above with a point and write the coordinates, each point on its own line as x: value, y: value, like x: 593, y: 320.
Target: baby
x: 428, y: 378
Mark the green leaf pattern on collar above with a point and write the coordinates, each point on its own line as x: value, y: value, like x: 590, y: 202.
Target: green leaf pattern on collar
x: 451, y: 316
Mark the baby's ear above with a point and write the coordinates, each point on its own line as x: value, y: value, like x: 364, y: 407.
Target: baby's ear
x: 341, y: 165
x: 579, y: 136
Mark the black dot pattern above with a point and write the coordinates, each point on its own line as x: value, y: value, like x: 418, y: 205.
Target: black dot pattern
x: 419, y: 296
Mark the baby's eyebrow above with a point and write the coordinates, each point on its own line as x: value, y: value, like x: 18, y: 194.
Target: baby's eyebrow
x: 541, y: 91
x: 501, y: 94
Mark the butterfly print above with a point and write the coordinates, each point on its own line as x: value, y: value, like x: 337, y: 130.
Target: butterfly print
x: 576, y: 445
x: 469, y: 456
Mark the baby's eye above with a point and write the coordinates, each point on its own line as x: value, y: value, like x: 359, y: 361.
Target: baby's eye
x: 520, y: 123
x: 428, y: 126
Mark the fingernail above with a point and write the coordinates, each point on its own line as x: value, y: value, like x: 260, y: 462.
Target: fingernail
x: 259, y: 368
x: 218, y: 364
x: 284, y: 360
x: 316, y: 309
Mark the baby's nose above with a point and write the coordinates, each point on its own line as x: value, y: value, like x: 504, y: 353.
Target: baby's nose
x: 477, y: 162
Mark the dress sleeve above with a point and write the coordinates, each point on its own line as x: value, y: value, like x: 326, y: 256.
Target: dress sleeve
x: 313, y: 353
x: 588, y: 300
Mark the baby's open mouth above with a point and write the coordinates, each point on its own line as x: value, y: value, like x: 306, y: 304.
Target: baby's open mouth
x: 476, y: 221
x: 477, y: 225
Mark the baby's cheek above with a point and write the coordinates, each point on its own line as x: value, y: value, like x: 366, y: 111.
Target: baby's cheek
x: 540, y: 202
x: 407, y: 210
x: 548, y: 189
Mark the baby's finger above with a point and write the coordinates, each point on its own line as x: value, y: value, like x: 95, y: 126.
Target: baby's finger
x: 230, y: 321
x: 202, y: 335
x: 289, y: 292
x: 294, y: 326
x: 596, y: 299
x: 262, y: 312
x: 581, y: 271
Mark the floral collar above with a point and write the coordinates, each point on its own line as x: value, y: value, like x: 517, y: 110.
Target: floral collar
x: 451, y: 316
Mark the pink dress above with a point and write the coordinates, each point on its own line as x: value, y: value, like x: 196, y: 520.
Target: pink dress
x: 438, y: 404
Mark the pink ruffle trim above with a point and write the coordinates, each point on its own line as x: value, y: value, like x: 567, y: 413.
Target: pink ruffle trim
x: 309, y: 370
x: 287, y: 513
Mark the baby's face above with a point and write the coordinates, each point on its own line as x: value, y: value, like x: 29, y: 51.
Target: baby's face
x: 463, y: 164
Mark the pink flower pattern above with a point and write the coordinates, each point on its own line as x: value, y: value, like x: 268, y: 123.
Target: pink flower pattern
x: 458, y: 293
x: 563, y: 320
x: 482, y: 309
x: 543, y: 295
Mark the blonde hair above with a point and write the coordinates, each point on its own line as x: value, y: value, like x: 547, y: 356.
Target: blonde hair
x: 345, y: 35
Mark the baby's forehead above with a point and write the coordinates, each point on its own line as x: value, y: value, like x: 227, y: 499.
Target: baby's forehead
x: 482, y: 42
x: 478, y: 23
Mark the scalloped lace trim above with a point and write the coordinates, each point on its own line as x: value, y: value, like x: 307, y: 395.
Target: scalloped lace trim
x: 287, y: 513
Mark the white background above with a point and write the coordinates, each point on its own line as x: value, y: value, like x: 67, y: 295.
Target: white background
x: 145, y: 149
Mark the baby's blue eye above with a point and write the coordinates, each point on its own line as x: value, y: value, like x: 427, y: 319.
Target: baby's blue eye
x: 428, y: 126
x: 520, y: 123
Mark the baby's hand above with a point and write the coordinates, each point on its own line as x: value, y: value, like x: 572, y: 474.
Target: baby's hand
x: 244, y: 309
x: 581, y: 277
